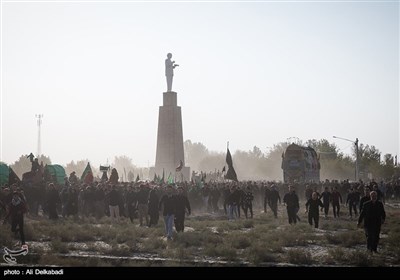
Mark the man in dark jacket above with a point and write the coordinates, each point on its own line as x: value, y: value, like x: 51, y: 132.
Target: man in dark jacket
x: 142, y: 204
x: 336, y: 199
x: 353, y: 199
x: 153, y: 207
x: 182, y: 203
x: 131, y: 202
x: 373, y: 214
x: 312, y: 207
x: 16, y: 210
x: 169, y: 203
x: 52, y: 200
x: 114, y: 199
x: 274, y: 197
x: 292, y: 204
x: 326, y: 198
x: 247, y: 202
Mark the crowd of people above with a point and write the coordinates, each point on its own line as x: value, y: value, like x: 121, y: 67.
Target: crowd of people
x: 145, y: 200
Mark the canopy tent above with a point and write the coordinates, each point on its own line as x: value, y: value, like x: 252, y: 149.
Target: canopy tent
x: 4, y: 173
x: 57, y: 172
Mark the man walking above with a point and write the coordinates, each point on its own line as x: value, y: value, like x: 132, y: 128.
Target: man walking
x: 373, y: 214
x: 292, y: 204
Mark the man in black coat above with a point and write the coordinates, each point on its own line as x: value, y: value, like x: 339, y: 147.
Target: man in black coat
x: 312, y: 207
x: 373, y: 214
x: 168, y: 202
x: 326, y: 198
x: 182, y: 203
x: 153, y: 208
x: 52, y: 200
x: 292, y: 204
x: 273, y: 199
x: 16, y: 209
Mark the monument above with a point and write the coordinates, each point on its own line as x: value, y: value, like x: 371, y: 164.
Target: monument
x: 170, y: 158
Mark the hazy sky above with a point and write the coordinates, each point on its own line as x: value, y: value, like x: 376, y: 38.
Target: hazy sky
x: 250, y: 73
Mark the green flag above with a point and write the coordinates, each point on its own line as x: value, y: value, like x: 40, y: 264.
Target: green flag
x: 170, y: 179
x: 87, y: 175
x: 162, y: 179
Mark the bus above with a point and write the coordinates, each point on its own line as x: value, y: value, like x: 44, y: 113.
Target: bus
x: 300, y: 164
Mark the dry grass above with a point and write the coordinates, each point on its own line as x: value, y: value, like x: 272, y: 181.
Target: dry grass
x: 255, y: 242
x: 298, y: 256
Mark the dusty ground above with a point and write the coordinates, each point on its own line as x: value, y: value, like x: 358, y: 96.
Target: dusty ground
x: 209, y: 240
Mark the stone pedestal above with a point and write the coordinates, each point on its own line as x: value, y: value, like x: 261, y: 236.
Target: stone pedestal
x: 170, y: 140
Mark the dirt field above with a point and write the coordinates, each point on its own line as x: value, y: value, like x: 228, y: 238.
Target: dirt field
x: 209, y: 240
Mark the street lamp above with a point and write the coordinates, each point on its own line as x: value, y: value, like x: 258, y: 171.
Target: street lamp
x: 356, y: 145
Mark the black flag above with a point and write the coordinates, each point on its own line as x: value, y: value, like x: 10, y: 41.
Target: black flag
x: 231, y: 174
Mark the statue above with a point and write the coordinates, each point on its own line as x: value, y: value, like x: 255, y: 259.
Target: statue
x: 31, y: 157
x: 169, y: 71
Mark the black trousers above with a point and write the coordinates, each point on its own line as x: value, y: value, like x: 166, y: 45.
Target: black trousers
x: 154, y: 216
x: 353, y: 206
x: 247, y: 207
x: 18, y: 221
x: 336, y: 210
x: 314, y: 217
x: 274, y: 208
x: 292, y: 215
x: 326, y: 208
x: 179, y: 222
x: 372, y: 234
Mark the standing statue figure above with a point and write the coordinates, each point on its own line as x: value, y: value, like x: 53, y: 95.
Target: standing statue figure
x: 169, y: 71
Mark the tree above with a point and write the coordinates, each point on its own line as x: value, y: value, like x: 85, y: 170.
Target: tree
x: 325, y: 149
x: 78, y: 167
x: 194, y: 153
x: 388, y: 160
x: 131, y: 176
x: 256, y: 152
x: 274, y: 161
x: 123, y: 164
x: 214, y: 161
x: 369, y: 159
x: 388, y: 168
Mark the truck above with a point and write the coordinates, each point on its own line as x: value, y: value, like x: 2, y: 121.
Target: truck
x: 300, y: 164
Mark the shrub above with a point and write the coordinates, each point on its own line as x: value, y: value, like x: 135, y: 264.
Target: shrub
x: 359, y: 258
x: 240, y: 241
x: 299, y: 256
x: 222, y: 251
x: 58, y: 246
x: 258, y: 255
x: 248, y: 224
x: 347, y: 239
x: 338, y: 254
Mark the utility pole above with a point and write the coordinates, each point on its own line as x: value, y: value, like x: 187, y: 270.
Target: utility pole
x: 357, y: 171
x: 39, y: 142
x: 356, y: 148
